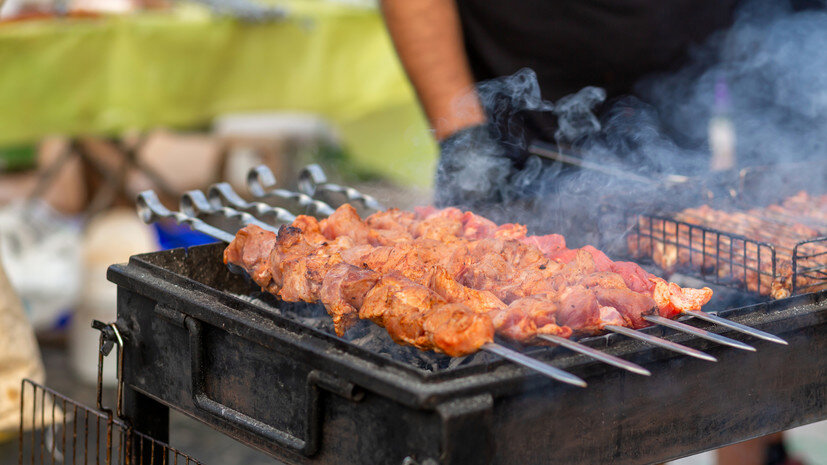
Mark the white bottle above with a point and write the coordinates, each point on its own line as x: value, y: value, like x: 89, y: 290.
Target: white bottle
x: 721, y: 131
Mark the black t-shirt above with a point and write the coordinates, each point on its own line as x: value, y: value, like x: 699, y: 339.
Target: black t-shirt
x: 571, y: 44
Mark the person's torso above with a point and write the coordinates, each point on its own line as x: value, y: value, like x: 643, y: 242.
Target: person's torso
x: 574, y: 43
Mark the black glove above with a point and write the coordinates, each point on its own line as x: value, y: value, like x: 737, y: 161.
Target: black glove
x: 476, y: 169
x: 472, y: 168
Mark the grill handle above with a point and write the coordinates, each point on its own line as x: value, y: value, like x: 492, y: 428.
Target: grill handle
x: 316, y: 380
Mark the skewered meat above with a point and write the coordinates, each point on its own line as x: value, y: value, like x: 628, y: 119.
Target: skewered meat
x: 511, y: 270
x: 412, y: 314
x: 522, y: 286
x: 415, y: 315
x: 319, y: 274
x: 343, y: 291
x: 492, y: 272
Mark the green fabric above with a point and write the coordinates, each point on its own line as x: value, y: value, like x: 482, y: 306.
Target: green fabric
x: 181, y: 69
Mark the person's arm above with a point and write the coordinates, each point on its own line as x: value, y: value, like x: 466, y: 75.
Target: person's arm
x: 428, y: 39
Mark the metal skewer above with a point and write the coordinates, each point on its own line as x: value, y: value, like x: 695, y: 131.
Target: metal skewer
x: 222, y: 195
x: 536, y: 365
x: 549, y: 153
x: 702, y: 333
x: 596, y: 354
x: 195, y: 204
x: 151, y: 210
x: 660, y: 342
x: 261, y: 182
x: 313, y: 181
x: 736, y: 326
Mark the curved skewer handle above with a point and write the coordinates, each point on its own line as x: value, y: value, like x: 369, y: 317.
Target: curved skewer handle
x: 222, y: 195
x: 151, y: 210
x: 261, y: 182
x: 312, y: 181
x: 195, y: 204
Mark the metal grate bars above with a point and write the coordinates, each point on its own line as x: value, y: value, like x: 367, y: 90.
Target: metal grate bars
x: 730, y: 259
x: 810, y: 265
x: 55, y: 429
x: 715, y: 256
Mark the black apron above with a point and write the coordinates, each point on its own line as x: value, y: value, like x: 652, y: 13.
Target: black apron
x: 571, y: 44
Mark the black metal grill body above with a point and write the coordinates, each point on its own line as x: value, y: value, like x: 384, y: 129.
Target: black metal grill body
x: 305, y: 396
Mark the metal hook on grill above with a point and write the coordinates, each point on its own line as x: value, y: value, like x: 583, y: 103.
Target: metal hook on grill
x: 312, y: 181
x: 110, y: 337
x: 222, y: 194
x: 151, y: 210
x: 261, y: 183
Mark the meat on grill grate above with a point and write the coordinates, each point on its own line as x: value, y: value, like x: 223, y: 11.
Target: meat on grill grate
x: 743, y: 249
x: 438, y: 279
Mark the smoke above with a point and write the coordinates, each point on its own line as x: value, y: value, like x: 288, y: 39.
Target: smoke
x: 774, y: 63
x: 575, y: 119
x: 769, y: 72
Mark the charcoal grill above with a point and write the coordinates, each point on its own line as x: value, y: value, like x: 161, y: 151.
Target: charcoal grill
x: 202, y: 340
x: 304, y: 396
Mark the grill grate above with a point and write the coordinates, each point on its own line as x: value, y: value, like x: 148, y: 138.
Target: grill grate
x: 729, y: 259
x: 810, y: 265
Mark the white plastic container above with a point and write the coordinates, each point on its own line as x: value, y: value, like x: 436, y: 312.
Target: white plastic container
x: 110, y: 238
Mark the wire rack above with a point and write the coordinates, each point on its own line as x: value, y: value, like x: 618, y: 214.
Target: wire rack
x: 56, y: 429
x: 729, y: 259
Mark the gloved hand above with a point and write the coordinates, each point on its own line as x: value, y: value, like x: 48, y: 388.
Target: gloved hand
x: 476, y: 169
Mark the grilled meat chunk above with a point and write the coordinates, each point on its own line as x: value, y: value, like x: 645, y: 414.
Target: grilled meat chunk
x: 415, y: 315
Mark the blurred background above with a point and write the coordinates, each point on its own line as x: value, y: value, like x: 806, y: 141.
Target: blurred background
x: 101, y: 99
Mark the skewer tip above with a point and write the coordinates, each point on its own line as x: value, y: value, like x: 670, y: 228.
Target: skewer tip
x: 536, y: 365
x: 596, y: 354
x: 736, y: 326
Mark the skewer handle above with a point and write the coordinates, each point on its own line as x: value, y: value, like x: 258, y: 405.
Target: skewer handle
x: 222, y: 194
x: 313, y: 181
x: 536, y: 365
x: 195, y: 204
x: 261, y: 182
x: 736, y: 326
x: 151, y: 210
x: 682, y: 349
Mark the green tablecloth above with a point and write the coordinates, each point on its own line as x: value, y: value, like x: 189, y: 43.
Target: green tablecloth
x: 182, y: 68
